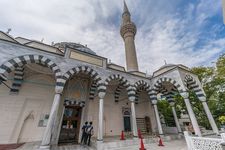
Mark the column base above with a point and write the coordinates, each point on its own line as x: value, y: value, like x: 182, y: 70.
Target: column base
x: 100, y: 145
x: 180, y: 135
x: 44, y: 147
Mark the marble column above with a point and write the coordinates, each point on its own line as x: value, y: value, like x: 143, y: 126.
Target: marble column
x: 194, y: 122
x: 133, y: 115
x: 175, y: 118
x: 154, y: 102
x: 209, y: 115
x: 45, y: 144
x: 101, y: 95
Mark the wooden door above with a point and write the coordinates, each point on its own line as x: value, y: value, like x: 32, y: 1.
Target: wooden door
x: 71, y: 125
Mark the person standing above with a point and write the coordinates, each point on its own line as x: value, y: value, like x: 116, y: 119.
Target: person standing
x: 89, y: 132
x: 84, y: 134
x: 191, y: 128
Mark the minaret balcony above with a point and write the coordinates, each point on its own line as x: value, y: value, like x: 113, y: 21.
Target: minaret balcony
x: 128, y: 27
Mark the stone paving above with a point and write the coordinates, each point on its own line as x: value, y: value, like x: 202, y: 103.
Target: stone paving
x: 171, y: 145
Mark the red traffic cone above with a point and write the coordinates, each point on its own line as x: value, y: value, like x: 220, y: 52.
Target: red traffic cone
x: 122, y: 136
x: 139, y: 134
x: 160, y: 142
x: 142, y: 145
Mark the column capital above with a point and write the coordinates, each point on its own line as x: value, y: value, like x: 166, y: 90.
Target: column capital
x: 172, y: 104
x: 101, y: 95
x: 58, y: 89
x: 101, y: 90
x: 154, y: 102
x: 131, y: 98
x: 202, y: 99
x: 184, y: 94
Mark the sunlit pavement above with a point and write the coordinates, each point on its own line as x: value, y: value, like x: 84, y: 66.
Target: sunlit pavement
x: 171, y: 145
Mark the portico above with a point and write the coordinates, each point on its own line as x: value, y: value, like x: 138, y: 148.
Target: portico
x: 54, y: 89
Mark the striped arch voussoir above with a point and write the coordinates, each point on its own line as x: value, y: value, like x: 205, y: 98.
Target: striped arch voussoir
x: 93, y: 89
x: 141, y: 86
x: 123, y: 83
x: 158, y: 84
x: 118, y: 77
x: 81, y: 69
x: 152, y: 94
x: 191, y: 84
x: 20, y: 61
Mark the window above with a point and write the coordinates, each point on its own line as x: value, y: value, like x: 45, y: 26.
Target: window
x: 43, y: 120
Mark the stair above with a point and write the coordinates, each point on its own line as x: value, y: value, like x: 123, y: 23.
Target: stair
x: 141, y: 124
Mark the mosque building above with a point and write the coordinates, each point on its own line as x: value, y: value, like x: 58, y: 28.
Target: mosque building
x: 47, y: 92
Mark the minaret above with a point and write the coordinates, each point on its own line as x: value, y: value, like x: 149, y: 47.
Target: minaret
x: 128, y: 31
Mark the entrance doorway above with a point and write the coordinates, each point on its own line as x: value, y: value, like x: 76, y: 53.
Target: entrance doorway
x: 70, y: 125
x: 126, y: 120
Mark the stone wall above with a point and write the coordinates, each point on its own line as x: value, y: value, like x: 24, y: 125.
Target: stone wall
x: 20, y: 114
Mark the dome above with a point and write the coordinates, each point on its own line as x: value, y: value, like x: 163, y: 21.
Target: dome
x: 76, y: 46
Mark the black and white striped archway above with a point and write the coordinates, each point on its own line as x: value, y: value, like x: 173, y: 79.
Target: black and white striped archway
x: 141, y: 86
x: 159, y: 88
x: 192, y: 84
x: 17, y: 64
x: 123, y: 84
x: 159, y: 84
x: 86, y: 70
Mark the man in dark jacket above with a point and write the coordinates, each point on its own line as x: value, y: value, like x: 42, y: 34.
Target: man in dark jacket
x: 89, y: 132
x: 84, y: 134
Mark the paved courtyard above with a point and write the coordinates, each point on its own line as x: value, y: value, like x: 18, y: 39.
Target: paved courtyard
x: 171, y: 145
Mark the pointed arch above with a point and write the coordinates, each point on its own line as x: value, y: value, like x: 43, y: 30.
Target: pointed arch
x: 86, y: 70
x: 123, y: 83
x: 20, y: 61
x: 81, y: 69
x: 158, y: 84
x: 140, y: 86
x: 169, y: 94
x: 118, y: 77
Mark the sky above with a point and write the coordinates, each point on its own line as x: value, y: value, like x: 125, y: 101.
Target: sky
x: 188, y: 32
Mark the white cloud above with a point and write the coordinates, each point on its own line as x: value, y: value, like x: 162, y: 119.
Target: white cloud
x: 163, y: 33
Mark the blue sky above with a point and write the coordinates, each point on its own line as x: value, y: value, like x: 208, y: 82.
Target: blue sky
x: 190, y: 32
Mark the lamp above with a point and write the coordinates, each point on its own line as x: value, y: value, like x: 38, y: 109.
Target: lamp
x: 2, y: 81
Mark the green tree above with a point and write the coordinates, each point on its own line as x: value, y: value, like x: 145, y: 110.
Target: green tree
x: 165, y: 109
